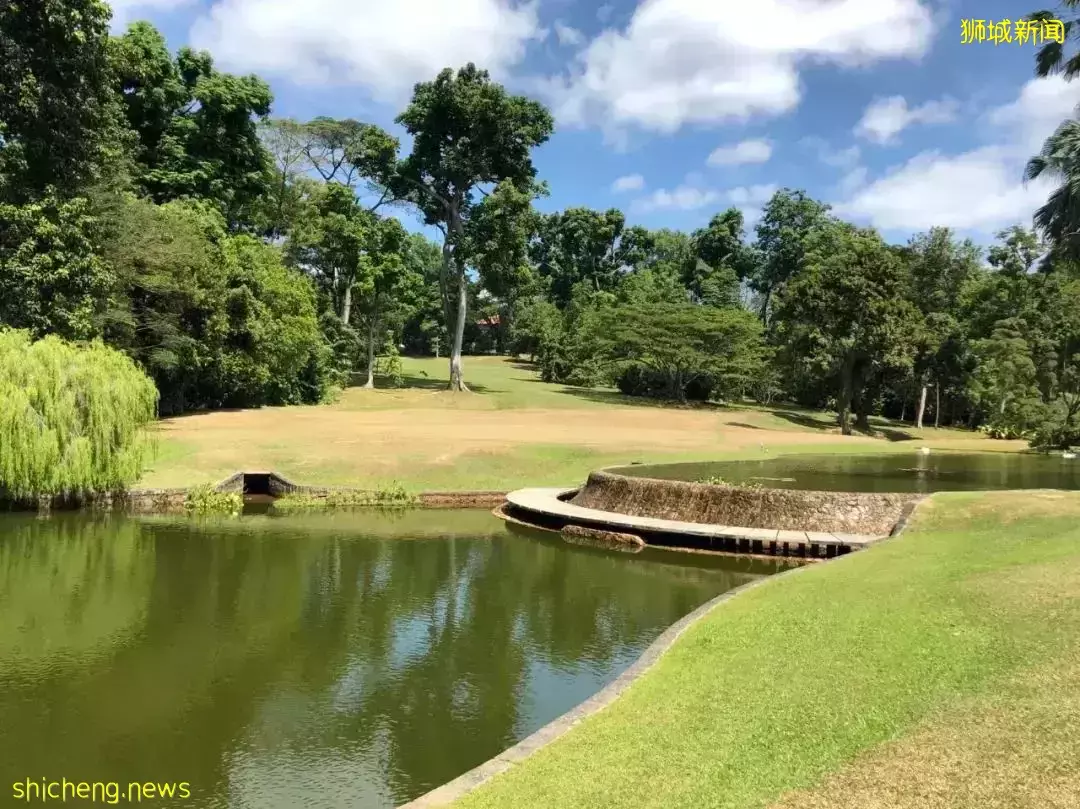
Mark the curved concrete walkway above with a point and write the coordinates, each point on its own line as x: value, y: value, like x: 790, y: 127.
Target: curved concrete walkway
x: 546, y: 502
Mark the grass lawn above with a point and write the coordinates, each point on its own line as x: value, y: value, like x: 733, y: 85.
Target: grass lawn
x: 512, y: 430
x: 939, y: 669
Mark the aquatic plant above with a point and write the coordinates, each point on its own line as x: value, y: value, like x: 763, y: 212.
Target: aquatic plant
x: 205, y: 499
x: 72, y: 417
x: 393, y: 496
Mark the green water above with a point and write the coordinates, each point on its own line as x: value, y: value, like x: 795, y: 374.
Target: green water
x: 341, y: 660
x: 897, y: 472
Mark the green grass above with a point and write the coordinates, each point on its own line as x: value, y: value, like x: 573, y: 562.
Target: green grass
x: 798, y: 678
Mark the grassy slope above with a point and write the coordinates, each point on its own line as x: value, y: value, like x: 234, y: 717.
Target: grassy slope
x: 906, y: 675
x: 540, y: 434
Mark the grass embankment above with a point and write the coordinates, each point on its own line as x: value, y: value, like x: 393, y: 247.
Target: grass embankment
x: 937, y: 670
x: 513, y: 430
x: 941, y: 669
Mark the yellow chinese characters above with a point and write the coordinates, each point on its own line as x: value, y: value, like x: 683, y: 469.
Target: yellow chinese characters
x: 1020, y: 32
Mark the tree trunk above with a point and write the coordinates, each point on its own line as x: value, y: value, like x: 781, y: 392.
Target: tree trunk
x: 921, y: 411
x: 937, y: 404
x: 346, y: 305
x: 903, y: 407
x: 457, y: 382
x: 847, y: 385
x: 370, y: 384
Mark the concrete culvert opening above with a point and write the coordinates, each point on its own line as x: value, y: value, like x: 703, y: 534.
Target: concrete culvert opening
x: 258, y: 483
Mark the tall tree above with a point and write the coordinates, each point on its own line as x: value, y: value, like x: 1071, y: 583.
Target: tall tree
x: 721, y: 260
x: 844, y: 314
x: 580, y: 244
x: 57, y: 107
x: 196, y: 127
x: 788, y: 218
x: 940, y: 269
x: 468, y: 135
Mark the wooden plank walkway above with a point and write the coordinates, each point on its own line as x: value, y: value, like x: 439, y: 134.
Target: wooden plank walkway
x: 546, y: 502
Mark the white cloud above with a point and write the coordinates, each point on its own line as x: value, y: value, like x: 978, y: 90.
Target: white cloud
x: 747, y: 151
x: 128, y: 11
x: 700, y: 61
x: 568, y: 35
x: 751, y: 195
x: 384, y: 46
x: 1037, y: 111
x: 631, y: 182
x: 885, y: 118
x: 977, y: 190
x: 690, y: 197
x: 683, y: 198
x: 980, y: 190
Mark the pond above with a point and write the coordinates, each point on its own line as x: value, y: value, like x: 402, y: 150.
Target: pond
x: 352, y: 659
x: 896, y: 472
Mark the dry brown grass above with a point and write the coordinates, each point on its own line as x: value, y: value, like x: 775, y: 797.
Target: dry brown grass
x: 514, y: 428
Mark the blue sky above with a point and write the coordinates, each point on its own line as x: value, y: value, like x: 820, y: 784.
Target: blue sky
x: 675, y: 109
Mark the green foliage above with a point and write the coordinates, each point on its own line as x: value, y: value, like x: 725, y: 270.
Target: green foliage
x: 196, y: 127
x: 392, y: 496
x: 52, y: 277
x: 843, y: 315
x: 73, y: 418
x: 58, y: 113
x: 206, y: 499
x: 684, y: 350
x: 217, y: 320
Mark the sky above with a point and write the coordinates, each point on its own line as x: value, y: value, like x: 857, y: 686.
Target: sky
x: 673, y: 110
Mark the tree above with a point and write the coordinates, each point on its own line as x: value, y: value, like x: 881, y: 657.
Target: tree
x: 787, y: 220
x: 72, y: 418
x: 721, y: 260
x: 1051, y: 57
x: 286, y: 142
x: 844, y: 315
x: 1059, y: 218
x: 940, y: 269
x: 196, y: 127
x: 216, y: 319
x: 468, y: 134
x: 580, y: 244
x: 58, y: 113
x: 681, y: 344
x: 385, y: 286
x: 52, y: 276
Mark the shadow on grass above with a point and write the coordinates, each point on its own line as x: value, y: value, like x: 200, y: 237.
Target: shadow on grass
x: 611, y: 397
x: 803, y: 419
x: 417, y: 381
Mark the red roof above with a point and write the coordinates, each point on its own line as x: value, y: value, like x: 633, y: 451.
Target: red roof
x: 488, y: 321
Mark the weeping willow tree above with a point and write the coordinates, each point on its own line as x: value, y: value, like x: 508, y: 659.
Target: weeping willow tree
x: 72, y: 418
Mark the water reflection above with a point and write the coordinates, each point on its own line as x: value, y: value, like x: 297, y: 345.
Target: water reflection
x: 312, y: 661
x: 897, y: 472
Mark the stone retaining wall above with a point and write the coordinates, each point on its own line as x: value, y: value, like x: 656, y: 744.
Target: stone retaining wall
x: 790, y: 509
